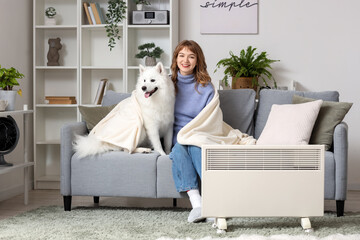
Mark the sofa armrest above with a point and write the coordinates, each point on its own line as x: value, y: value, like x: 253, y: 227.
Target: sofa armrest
x: 341, y: 160
x: 67, y: 133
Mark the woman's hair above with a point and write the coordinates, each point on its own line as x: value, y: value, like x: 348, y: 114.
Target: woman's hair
x: 200, y: 72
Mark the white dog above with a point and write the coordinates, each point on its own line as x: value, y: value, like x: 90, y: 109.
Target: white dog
x: 155, y: 95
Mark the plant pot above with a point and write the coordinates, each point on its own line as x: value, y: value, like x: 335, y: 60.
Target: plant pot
x: 10, y: 97
x: 150, y: 61
x: 243, y: 82
x: 50, y: 21
x: 139, y: 7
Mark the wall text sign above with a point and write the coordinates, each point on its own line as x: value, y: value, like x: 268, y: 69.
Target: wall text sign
x: 229, y: 17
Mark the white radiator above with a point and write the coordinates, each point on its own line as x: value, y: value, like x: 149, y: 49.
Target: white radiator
x: 262, y: 181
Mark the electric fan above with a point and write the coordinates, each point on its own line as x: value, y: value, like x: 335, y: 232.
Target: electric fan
x: 9, y: 137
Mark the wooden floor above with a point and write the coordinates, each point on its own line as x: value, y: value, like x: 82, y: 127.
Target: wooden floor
x: 38, y: 198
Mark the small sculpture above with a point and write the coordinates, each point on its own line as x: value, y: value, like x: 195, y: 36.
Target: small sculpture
x: 53, y: 54
x: 50, y: 13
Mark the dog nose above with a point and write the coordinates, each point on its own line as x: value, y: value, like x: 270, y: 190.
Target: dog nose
x: 143, y: 88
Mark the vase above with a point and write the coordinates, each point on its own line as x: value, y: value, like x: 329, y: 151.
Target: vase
x: 139, y: 7
x: 10, y: 97
x: 243, y: 82
x: 50, y: 21
x: 150, y: 61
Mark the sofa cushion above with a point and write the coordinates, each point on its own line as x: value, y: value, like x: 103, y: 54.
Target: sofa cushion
x: 290, y: 124
x: 238, y: 107
x: 93, y: 115
x: 330, y: 115
x: 111, y: 98
x: 114, y: 173
x: 268, y: 97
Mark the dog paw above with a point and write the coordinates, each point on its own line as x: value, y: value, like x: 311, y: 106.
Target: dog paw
x: 143, y: 150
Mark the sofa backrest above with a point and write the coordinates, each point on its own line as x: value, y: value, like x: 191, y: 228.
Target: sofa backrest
x: 238, y: 107
x: 268, y: 97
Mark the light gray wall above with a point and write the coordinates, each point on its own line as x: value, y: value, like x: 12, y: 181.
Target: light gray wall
x: 16, y: 51
x: 318, y: 43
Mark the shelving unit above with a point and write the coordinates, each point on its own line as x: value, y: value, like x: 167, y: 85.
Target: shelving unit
x: 85, y: 58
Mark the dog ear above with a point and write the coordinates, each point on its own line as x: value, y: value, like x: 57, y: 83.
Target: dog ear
x: 160, y: 67
x: 141, y: 68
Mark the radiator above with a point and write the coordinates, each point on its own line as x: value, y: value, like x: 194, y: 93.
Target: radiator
x: 262, y: 181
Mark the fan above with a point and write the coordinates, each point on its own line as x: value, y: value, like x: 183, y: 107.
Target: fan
x: 9, y: 137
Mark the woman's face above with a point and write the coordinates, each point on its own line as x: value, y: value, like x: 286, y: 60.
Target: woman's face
x: 186, y: 61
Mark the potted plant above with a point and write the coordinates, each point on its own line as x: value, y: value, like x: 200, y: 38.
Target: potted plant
x: 115, y: 14
x: 50, y: 13
x: 246, y: 69
x: 150, y: 52
x: 8, y: 79
x: 141, y: 3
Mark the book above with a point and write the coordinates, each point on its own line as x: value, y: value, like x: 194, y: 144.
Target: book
x: 96, y: 13
x: 100, y: 91
x: 86, y: 5
x: 60, y: 99
x: 102, y: 18
x: 91, y: 15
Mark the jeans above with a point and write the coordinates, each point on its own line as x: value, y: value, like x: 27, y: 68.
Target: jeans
x: 186, y: 166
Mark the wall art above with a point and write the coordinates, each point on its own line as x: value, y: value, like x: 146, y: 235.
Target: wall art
x: 229, y: 17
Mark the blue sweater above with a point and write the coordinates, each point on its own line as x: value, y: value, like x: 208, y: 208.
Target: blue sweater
x: 189, y: 102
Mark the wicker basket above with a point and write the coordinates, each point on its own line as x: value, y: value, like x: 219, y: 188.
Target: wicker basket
x: 243, y: 82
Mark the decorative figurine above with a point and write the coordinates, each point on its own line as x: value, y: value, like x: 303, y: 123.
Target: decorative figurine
x: 50, y: 13
x: 53, y: 54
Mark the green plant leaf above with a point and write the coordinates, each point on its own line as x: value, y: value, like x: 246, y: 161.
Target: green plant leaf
x: 149, y: 50
x: 115, y: 14
x: 247, y: 64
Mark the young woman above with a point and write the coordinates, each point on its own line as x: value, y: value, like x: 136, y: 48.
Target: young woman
x: 193, y: 92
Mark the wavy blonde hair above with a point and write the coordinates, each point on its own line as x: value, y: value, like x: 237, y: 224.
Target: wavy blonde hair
x: 201, y: 75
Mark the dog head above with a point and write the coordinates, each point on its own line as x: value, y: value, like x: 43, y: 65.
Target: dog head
x: 151, y: 81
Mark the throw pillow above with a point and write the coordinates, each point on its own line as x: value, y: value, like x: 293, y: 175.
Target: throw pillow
x: 290, y: 124
x: 93, y: 115
x: 330, y: 114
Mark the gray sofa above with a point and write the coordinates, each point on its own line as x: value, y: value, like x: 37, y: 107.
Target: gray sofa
x: 150, y: 175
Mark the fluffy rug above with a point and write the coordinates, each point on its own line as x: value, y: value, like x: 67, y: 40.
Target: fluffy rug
x: 130, y: 223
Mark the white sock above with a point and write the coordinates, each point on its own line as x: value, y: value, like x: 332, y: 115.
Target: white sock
x: 195, y: 198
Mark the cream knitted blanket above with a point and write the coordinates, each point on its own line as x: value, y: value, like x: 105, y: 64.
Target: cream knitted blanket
x: 208, y: 127
x: 123, y: 126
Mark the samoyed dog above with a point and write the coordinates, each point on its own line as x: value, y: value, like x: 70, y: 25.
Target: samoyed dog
x: 155, y: 94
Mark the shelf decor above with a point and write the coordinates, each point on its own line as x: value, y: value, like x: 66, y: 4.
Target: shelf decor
x: 150, y: 52
x: 141, y: 3
x: 229, y: 17
x: 53, y: 54
x: 8, y: 79
x: 50, y: 13
x: 115, y: 15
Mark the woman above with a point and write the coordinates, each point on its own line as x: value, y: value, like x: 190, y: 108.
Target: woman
x: 193, y: 92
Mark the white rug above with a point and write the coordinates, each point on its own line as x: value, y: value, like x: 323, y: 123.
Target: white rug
x: 53, y: 222
x: 276, y: 237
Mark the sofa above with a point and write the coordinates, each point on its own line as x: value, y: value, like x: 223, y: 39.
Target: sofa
x: 122, y: 174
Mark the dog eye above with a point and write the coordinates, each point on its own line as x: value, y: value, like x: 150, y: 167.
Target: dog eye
x: 152, y: 80
x: 144, y: 80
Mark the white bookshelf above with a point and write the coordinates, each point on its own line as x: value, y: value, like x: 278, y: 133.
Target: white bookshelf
x: 85, y: 58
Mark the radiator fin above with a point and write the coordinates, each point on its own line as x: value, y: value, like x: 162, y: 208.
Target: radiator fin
x: 263, y: 159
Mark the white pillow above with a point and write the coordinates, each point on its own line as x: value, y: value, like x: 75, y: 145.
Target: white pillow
x: 290, y: 124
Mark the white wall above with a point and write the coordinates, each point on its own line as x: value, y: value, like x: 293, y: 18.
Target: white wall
x: 318, y: 43
x: 16, y: 51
